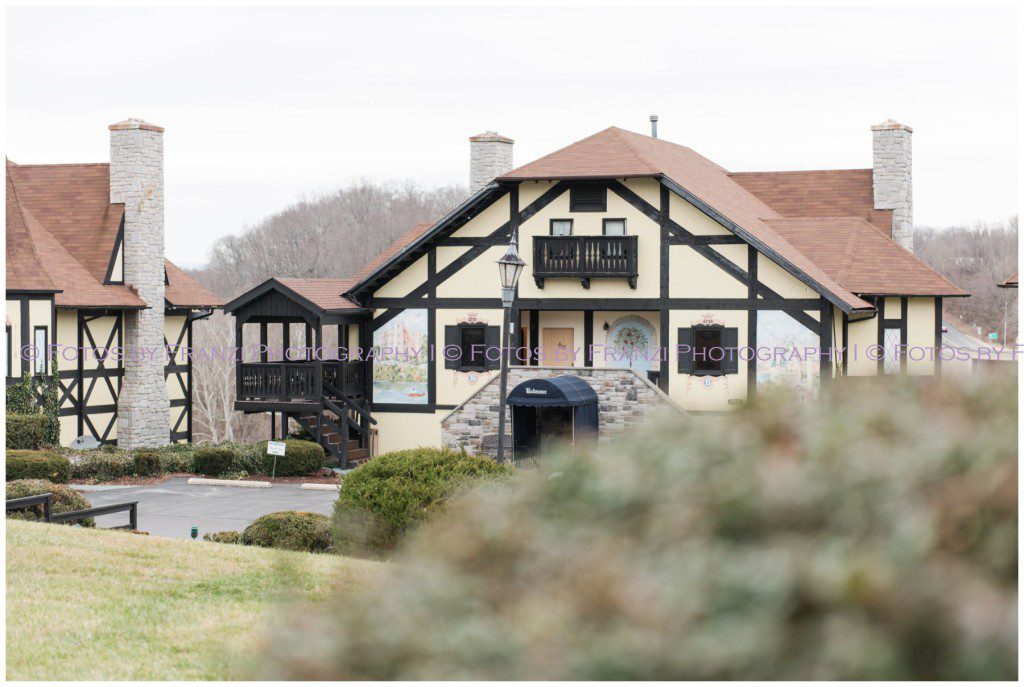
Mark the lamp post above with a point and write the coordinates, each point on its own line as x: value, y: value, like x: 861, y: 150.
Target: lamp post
x: 509, y: 268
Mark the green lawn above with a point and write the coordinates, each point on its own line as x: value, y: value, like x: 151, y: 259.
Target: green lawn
x: 97, y: 605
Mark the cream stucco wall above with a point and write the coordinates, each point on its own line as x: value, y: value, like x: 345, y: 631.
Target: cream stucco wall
x: 12, y: 310
x: 454, y: 386
x: 691, y: 275
x: 694, y: 392
x: 40, y: 312
x: 921, y: 336
x: 397, y: 431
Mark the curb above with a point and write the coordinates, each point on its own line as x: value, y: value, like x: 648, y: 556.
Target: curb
x: 320, y: 487
x: 229, y: 483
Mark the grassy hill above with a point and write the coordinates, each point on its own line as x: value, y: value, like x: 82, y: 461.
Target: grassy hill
x: 98, y: 605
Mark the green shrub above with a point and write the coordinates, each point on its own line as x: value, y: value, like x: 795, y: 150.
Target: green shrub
x: 26, y: 431
x: 224, y: 537
x: 146, y: 463
x: 300, y: 458
x: 101, y: 465
x: 382, y: 499
x: 292, y: 530
x: 65, y: 499
x: 176, y: 458
x: 213, y: 460
x: 870, y: 534
x: 38, y: 465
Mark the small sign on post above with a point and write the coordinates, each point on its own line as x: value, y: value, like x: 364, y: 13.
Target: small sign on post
x: 275, y: 448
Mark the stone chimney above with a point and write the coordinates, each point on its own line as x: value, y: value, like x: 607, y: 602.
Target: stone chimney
x: 490, y: 155
x: 893, y: 179
x: 137, y: 180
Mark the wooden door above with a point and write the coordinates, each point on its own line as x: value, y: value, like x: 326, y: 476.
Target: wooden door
x: 557, y: 347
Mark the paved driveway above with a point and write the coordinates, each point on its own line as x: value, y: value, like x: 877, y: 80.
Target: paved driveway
x: 172, y: 508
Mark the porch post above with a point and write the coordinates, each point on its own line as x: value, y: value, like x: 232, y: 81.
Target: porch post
x: 318, y: 366
x: 263, y: 342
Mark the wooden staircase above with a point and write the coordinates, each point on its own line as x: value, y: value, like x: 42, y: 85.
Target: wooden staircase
x: 330, y: 439
x: 341, y: 425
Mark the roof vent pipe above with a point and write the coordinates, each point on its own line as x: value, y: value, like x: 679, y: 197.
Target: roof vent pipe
x: 654, y: 126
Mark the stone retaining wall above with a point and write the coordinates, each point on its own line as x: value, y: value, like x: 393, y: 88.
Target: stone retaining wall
x: 625, y: 400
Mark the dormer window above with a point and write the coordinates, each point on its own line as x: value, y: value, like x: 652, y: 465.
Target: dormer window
x: 588, y: 198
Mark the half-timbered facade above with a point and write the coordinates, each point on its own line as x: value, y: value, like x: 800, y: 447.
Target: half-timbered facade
x: 642, y: 254
x: 77, y: 257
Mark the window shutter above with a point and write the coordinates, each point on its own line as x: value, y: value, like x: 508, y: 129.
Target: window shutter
x: 685, y: 357
x: 493, y: 339
x: 451, y: 353
x: 730, y: 344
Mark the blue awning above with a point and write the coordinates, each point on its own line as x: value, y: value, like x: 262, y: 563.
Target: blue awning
x: 555, y: 391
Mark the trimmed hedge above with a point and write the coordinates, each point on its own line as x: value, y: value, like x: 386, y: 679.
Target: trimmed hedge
x: 38, y: 465
x: 26, y: 431
x: 213, y: 460
x: 224, y: 537
x: 146, y: 463
x: 384, y: 498
x: 300, y: 458
x: 101, y: 465
x: 292, y: 530
x: 65, y: 499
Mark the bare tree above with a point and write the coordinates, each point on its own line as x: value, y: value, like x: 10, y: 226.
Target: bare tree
x: 976, y: 259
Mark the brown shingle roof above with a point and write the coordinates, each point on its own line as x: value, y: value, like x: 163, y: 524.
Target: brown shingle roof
x: 616, y: 153
x: 183, y: 291
x: 65, y: 219
x: 391, y: 251
x: 24, y: 273
x: 823, y: 193
x: 324, y: 293
x: 859, y: 257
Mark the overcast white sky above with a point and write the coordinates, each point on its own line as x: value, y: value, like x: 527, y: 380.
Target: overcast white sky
x: 263, y: 104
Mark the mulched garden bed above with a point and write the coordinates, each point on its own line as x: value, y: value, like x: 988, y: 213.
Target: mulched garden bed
x: 148, y: 481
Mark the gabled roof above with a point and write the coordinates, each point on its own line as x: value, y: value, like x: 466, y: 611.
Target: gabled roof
x: 391, y: 251
x: 616, y: 153
x: 859, y: 257
x: 319, y: 296
x: 831, y: 252
x: 63, y: 216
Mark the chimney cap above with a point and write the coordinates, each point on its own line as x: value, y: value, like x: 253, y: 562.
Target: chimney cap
x: 891, y: 124
x: 490, y: 137
x: 135, y: 123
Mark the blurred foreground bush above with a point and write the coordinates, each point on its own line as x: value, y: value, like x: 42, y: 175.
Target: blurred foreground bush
x: 870, y: 536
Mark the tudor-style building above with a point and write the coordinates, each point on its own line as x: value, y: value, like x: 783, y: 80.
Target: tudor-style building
x: 88, y: 285
x: 633, y: 245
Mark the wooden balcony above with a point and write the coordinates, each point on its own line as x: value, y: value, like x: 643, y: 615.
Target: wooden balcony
x: 585, y: 258
x: 293, y: 384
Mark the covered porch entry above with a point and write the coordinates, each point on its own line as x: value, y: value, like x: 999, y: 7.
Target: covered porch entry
x: 547, y: 412
x: 319, y: 379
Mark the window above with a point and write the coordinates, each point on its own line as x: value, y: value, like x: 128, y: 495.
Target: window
x: 709, y: 350
x: 588, y: 198
x: 471, y: 347
x: 41, y: 349
x: 561, y: 227
x: 472, y: 343
x: 614, y: 227
x: 891, y: 351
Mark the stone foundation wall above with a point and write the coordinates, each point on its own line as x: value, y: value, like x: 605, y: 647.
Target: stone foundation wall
x: 625, y: 400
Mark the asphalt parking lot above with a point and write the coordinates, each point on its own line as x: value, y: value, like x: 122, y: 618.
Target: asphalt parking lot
x: 172, y: 508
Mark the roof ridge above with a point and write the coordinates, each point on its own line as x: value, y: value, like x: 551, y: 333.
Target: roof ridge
x: 640, y: 158
x: 849, y: 252
x: 805, y: 171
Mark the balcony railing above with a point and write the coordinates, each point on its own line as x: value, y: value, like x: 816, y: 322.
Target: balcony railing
x: 296, y: 380
x: 585, y: 258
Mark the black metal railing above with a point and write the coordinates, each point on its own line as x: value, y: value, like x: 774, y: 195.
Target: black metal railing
x: 46, y: 501
x: 286, y: 381
x: 585, y: 257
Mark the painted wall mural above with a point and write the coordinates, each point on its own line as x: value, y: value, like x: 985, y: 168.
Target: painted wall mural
x: 630, y: 343
x: 400, y: 359
x: 786, y: 354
